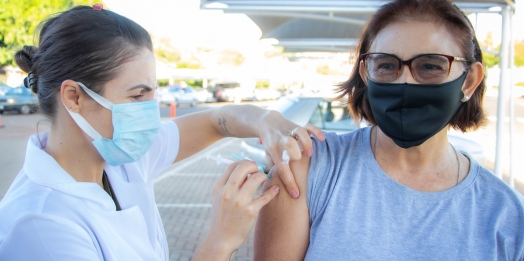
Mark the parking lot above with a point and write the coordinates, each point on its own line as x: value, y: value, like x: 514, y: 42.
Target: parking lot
x: 183, y: 192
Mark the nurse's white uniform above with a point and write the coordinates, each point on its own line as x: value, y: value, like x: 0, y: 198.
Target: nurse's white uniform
x: 47, y: 215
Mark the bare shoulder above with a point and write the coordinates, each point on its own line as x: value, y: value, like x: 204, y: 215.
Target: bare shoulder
x: 282, y: 229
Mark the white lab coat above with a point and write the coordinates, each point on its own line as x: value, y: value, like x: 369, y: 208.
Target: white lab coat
x: 47, y: 215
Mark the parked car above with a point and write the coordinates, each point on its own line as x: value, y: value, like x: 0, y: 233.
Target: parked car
x: 262, y: 94
x: 4, y: 89
x: 203, y: 95
x: 184, y: 95
x: 19, y: 99
x: 234, y: 91
x: 331, y: 116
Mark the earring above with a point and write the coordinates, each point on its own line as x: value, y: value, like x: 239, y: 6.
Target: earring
x: 465, y: 99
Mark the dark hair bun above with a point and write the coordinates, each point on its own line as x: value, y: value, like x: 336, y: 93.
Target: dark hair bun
x: 24, y: 57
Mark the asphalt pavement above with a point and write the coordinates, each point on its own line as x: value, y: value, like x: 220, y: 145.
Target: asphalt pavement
x: 183, y: 192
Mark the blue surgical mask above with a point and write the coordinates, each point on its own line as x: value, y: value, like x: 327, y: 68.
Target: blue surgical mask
x: 135, y: 125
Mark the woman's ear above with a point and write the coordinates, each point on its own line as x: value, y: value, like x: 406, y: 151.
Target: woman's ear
x: 474, y: 78
x: 362, y: 72
x: 70, y: 94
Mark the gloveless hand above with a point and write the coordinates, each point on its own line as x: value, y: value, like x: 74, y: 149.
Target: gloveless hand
x: 234, y: 209
x: 275, y: 135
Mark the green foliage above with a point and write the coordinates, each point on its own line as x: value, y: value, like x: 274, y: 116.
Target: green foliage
x: 170, y: 56
x: 323, y: 69
x: 490, y: 60
x: 231, y: 57
x: 262, y: 85
x: 188, y: 65
x: 197, y: 84
x: 519, y: 53
x: 20, y: 18
x: 163, y: 82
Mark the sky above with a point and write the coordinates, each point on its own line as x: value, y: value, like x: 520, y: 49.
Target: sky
x: 186, y: 25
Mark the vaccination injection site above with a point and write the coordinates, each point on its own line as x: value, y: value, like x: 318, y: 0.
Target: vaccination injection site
x: 236, y: 130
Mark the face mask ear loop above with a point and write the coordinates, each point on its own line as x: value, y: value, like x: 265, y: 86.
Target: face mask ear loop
x: 84, y: 125
x: 101, y: 100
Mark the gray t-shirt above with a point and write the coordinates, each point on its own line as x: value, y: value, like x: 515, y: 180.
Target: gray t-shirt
x: 357, y: 212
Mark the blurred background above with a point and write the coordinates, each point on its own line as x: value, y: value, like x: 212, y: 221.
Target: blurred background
x: 282, y: 55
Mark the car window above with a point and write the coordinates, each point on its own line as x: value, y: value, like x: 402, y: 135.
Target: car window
x: 228, y: 85
x: 173, y: 89
x: 333, y: 116
x: 15, y: 91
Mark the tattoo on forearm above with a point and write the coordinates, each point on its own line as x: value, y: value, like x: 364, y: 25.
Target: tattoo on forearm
x: 222, y: 123
x: 233, y: 254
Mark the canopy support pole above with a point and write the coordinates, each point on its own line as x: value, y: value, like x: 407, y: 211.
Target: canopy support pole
x: 512, y: 141
x: 503, y: 82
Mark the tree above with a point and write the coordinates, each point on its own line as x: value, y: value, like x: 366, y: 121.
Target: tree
x: 164, y: 51
x: 231, y: 57
x: 491, y: 59
x: 519, y: 53
x: 20, y: 18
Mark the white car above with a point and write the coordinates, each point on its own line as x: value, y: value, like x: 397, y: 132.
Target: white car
x: 185, y: 95
x: 332, y: 116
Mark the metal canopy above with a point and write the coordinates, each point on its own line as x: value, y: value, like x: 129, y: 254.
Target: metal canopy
x: 313, y: 25
x: 336, y: 25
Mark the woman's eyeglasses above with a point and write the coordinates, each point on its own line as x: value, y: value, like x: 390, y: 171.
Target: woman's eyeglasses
x: 425, y: 68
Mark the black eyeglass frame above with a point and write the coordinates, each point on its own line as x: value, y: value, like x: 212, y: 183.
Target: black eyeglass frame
x: 401, y: 62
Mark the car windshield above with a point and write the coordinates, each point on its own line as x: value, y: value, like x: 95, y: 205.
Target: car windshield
x: 15, y: 91
x: 173, y: 89
x: 333, y: 116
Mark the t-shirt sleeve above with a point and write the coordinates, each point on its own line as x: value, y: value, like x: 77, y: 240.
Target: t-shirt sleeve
x: 163, y: 151
x: 43, y: 237
x: 319, y: 174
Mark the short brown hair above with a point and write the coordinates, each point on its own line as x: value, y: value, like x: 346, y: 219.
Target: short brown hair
x: 471, y: 115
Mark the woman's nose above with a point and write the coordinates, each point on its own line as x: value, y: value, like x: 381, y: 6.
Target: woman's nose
x: 405, y: 75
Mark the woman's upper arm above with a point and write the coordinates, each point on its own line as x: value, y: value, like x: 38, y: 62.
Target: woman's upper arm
x: 282, y: 229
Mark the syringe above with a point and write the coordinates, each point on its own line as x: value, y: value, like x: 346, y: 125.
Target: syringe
x: 221, y: 160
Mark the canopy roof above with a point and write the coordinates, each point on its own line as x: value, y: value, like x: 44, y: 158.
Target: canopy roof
x: 322, y: 25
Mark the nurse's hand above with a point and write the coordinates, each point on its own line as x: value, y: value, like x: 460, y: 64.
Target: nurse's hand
x: 275, y: 134
x: 234, y: 210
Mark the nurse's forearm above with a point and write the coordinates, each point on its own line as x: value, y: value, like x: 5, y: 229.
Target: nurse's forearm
x: 211, y: 250
x: 241, y: 121
x: 201, y: 129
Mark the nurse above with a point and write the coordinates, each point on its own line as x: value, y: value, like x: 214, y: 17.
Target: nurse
x: 85, y: 191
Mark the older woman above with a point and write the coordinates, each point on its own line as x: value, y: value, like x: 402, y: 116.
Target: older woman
x: 399, y: 190
x: 86, y: 191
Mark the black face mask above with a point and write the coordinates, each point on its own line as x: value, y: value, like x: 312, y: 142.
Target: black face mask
x: 412, y: 113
